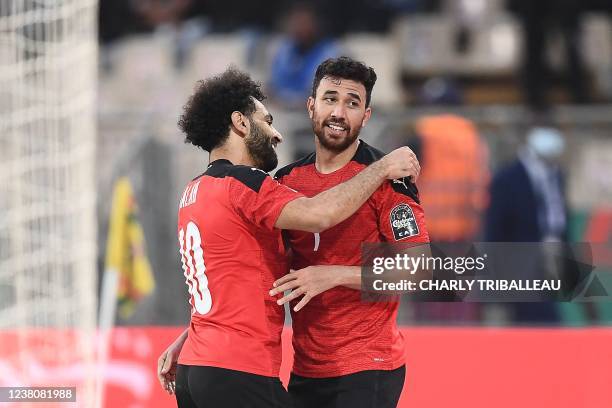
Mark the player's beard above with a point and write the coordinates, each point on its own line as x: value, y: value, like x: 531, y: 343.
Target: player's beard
x: 329, y: 142
x: 259, y: 146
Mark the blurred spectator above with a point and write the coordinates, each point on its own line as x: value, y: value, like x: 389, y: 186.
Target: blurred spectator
x: 527, y: 204
x: 455, y: 176
x: 539, y: 19
x: 467, y: 14
x: 527, y: 198
x: 440, y: 91
x: 237, y: 15
x: 157, y: 12
x: 453, y: 190
x: 370, y: 15
x: 119, y: 18
x: 302, y: 49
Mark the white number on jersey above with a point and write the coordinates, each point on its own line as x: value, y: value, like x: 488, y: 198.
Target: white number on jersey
x: 192, y: 257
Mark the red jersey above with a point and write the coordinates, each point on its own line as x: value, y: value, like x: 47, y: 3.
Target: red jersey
x: 230, y: 253
x: 336, y: 333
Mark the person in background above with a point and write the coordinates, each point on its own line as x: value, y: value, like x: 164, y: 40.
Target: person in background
x: 118, y: 19
x: 539, y: 19
x: 453, y: 189
x: 527, y: 204
x: 302, y: 49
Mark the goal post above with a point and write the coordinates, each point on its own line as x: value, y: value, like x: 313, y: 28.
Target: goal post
x: 48, y: 59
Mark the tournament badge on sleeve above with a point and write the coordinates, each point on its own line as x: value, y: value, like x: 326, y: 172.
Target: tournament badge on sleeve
x: 403, y: 223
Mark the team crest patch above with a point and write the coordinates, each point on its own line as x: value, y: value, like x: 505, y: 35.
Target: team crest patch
x: 403, y: 223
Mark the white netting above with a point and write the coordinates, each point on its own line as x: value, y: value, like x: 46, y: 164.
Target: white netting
x: 48, y: 58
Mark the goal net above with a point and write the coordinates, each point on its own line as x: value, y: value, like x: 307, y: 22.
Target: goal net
x: 48, y: 57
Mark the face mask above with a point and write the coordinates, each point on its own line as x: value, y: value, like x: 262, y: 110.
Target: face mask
x: 546, y: 142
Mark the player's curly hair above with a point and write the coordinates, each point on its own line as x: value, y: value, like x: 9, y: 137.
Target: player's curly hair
x: 206, y: 117
x: 346, y: 68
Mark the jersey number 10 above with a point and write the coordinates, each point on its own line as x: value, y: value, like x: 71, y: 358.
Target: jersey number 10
x: 192, y: 257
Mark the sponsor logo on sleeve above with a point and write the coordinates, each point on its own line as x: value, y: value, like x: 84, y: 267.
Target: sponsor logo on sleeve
x: 401, y: 181
x: 403, y: 222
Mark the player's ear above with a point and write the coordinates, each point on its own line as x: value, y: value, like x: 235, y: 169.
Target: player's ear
x: 310, y: 106
x: 366, y: 117
x: 240, y: 123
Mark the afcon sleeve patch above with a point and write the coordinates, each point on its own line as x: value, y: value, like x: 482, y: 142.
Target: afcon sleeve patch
x: 403, y: 223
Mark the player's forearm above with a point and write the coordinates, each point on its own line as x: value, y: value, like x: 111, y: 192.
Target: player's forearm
x: 333, y: 206
x: 313, y: 280
x: 348, y: 276
x: 337, y: 204
x: 180, y: 340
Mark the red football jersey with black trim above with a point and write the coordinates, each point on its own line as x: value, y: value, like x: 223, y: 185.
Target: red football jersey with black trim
x: 336, y: 333
x: 231, y: 255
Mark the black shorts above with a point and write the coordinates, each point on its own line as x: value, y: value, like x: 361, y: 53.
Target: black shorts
x: 212, y: 387
x: 365, y: 389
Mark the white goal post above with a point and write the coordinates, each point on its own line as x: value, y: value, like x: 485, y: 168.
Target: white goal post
x: 48, y: 77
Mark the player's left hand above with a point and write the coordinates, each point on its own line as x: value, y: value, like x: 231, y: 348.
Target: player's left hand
x: 166, y: 368
x: 307, y: 282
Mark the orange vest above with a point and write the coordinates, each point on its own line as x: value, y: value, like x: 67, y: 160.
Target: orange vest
x: 454, y: 178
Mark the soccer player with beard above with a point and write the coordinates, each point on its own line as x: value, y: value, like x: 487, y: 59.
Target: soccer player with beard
x: 348, y: 353
x: 229, y: 223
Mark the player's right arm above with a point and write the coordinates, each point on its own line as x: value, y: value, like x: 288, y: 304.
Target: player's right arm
x: 313, y: 280
x: 333, y: 206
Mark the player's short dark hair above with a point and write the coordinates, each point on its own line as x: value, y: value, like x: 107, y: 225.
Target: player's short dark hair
x: 346, y: 68
x: 206, y: 118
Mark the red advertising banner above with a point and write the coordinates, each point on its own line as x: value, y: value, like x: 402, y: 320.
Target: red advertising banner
x: 467, y: 367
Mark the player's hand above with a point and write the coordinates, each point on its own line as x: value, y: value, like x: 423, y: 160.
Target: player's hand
x: 307, y: 282
x: 402, y: 162
x: 166, y: 367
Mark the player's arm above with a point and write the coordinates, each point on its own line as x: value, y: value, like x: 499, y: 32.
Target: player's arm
x: 333, y: 206
x: 314, y: 280
x: 394, y: 201
x: 167, y: 361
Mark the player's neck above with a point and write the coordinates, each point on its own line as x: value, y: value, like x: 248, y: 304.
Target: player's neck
x: 328, y: 161
x: 233, y: 150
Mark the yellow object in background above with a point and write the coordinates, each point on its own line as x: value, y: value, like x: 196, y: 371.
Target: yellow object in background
x: 126, y: 250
